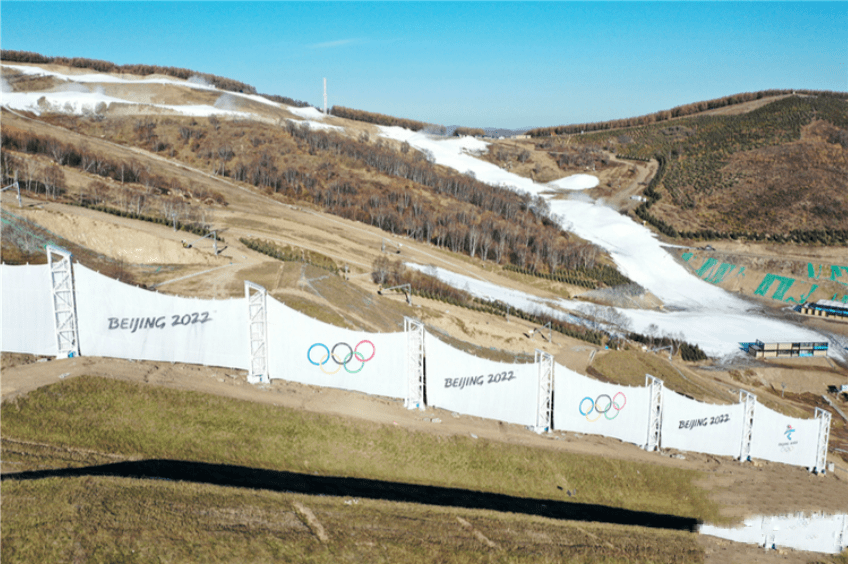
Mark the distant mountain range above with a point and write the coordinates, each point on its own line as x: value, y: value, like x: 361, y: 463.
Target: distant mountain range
x: 494, y: 131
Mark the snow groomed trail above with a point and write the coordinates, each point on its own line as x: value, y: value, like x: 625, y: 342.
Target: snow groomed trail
x: 705, y: 314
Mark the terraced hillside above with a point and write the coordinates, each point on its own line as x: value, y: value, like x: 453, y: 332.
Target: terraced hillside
x: 776, y: 172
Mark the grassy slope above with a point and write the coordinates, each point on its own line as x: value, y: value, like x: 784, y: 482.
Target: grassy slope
x: 148, y: 422
x: 124, y: 520
x: 630, y: 367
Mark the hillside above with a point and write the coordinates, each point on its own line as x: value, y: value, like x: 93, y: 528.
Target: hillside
x: 320, y: 210
x: 776, y: 172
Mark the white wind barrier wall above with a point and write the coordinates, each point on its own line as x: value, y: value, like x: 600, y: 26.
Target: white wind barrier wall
x: 780, y: 438
x: 26, y: 310
x: 305, y: 350
x: 691, y: 425
x: 584, y: 405
x: 122, y: 321
x: 466, y: 384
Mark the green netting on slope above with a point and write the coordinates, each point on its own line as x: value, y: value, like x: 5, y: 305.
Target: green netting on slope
x: 784, y: 284
x: 721, y: 272
x: 708, y: 264
x: 836, y: 272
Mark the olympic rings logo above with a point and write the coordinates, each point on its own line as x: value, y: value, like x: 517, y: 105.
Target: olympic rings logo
x: 341, y: 362
x: 602, y: 406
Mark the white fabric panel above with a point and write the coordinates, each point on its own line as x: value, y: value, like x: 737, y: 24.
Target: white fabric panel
x: 814, y: 533
x: 695, y: 426
x: 26, y: 310
x: 585, y: 405
x: 779, y: 438
x: 122, y: 321
x: 474, y: 386
x: 299, y: 347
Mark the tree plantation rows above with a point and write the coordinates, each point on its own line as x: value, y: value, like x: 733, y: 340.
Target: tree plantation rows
x: 733, y: 166
x: 393, y: 273
x: 689, y: 352
x: 291, y: 254
x: 603, y: 325
x: 595, y: 277
x: 778, y: 122
x: 677, y: 112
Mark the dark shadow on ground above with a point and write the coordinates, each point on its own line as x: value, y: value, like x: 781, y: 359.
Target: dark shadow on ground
x: 243, y: 477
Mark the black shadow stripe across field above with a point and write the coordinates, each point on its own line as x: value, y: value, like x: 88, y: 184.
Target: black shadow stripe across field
x: 243, y: 477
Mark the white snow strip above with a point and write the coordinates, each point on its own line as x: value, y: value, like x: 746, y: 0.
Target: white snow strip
x: 315, y: 124
x: 718, y: 333
x: 78, y: 106
x: 640, y: 256
x: 325, y: 126
x: 103, y: 78
x: 66, y: 102
x: 575, y: 182
x: 308, y: 112
x: 487, y: 290
x: 78, y: 103
x: 201, y: 110
x: 634, y: 248
x: 817, y: 533
x: 99, y: 78
x: 453, y: 152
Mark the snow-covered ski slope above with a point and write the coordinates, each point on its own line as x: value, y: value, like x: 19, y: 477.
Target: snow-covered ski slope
x: 81, y: 94
x: 706, y: 314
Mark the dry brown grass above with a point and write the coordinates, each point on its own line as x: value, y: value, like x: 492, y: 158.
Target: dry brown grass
x: 128, y: 520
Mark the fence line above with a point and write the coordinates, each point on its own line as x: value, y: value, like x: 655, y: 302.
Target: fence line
x: 262, y: 335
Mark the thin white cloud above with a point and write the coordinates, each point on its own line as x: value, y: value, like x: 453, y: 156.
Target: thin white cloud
x: 336, y: 43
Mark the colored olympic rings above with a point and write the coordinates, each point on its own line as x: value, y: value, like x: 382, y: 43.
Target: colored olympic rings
x: 602, y: 405
x: 341, y: 361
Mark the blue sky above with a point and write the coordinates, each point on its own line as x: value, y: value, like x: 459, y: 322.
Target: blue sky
x: 481, y: 64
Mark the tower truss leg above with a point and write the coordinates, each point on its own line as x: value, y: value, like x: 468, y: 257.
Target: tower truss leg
x: 64, y: 301
x: 414, y: 363
x: 257, y: 299
x: 656, y: 387
x: 544, y: 406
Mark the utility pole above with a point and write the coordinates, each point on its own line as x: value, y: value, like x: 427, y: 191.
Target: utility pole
x: 325, y: 96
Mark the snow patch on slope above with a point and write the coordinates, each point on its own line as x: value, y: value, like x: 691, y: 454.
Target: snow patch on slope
x: 307, y: 113
x: 78, y: 103
x: 575, y: 182
x: 718, y: 333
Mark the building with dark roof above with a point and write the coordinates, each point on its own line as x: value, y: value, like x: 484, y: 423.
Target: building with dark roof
x: 760, y: 349
x: 825, y: 308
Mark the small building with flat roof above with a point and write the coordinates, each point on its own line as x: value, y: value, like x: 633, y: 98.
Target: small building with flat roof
x: 759, y: 349
x: 825, y: 308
